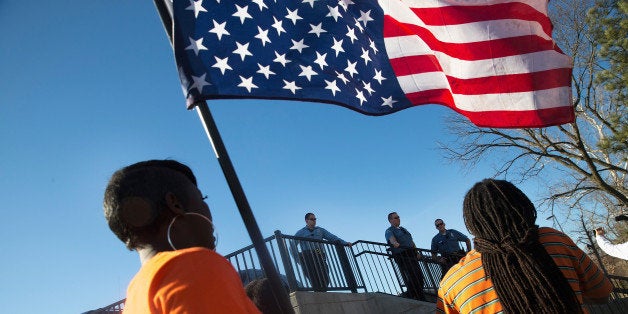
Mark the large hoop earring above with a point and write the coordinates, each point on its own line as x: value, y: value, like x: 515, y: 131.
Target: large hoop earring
x: 172, y: 223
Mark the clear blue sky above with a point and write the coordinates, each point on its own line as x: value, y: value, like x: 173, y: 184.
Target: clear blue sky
x: 87, y: 87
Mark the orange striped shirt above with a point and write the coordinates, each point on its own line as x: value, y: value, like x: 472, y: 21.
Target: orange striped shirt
x: 464, y: 288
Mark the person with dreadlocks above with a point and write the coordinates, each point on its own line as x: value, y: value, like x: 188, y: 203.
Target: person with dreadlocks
x: 517, y: 266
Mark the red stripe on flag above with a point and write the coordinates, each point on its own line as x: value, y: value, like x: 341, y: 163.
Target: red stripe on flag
x: 531, y: 118
x: 498, y: 118
x: 452, y: 15
x: 480, y: 50
x: 511, y: 83
x: 432, y: 96
x: 415, y: 64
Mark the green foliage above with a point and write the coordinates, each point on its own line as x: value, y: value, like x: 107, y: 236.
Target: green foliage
x: 608, y: 21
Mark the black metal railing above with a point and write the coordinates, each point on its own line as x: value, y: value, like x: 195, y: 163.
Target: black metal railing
x: 366, y: 266
x: 303, y: 264
x: 115, y: 308
x: 314, y: 265
x: 617, y: 301
x: 382, y: 274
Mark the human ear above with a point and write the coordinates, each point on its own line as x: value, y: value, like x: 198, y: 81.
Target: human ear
x: 174, y: 204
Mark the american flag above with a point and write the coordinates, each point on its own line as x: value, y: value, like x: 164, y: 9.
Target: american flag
x: 493, y: 61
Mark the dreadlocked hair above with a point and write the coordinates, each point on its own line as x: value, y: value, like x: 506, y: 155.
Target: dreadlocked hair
x: 524, y: 275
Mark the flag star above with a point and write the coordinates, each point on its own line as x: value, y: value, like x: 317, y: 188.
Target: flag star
x: 378, y: 76
x: 365, y: 56
x: 247, y: 83
x: 293, y: 16
x: 342, y: 77
x: 332, y: 87
x: 242, y: 13
x: 372, y: 45
x: 199, y: 83
x: 197, y: 6
x: 351, y: 68
x: 365, y: 17
x: 196, y: 45
x: 367, y: 87
x: 292, y: 86
x: 358, y: 25
x: 265, y: 70
x: 263, y: 36
x: 243, y: 50
x: 222, y: 64
x: 307, y: 72
x: 334, y: 13
x: 298, y: 45
x: 311, y: 2
x: 351, y: 34
x: 360, y: 96
x: 320, y: 60
x: 281, y: 59
x: 337, y: 46
x: 388, y: 101
x: 260, y: 3
x: 345, y: 4
x: 278, y: 25
x: 317, y: 29
x: 219, y: 29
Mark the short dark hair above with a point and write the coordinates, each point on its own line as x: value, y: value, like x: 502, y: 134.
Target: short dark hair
x: 308, y: 215
x: 437, y: 219
x: 390, y: 215
x: 134, y: 200
x: 166, y: 163
x: 261, y: 292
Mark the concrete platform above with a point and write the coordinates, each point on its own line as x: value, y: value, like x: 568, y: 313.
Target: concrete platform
x: 355, y: 303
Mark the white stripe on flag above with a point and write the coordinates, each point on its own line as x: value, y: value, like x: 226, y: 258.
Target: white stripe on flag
x: 540, y: 99
x: 484, y: 31
x: 406, y: 46
x: 518, y: 64
x: 423, y: 81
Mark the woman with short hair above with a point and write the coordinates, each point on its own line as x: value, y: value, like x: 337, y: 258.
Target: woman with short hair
x: 155, y: 208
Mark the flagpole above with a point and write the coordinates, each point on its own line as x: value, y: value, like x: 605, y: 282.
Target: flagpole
x: 281, y: 297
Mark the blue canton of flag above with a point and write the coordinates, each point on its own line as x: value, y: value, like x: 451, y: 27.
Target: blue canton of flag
x: 310, y: 50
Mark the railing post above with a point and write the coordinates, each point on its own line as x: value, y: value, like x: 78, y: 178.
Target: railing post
x: 396, y: 270
x: 433, y: 283
x: 287, y: 263
x: 346, y: 268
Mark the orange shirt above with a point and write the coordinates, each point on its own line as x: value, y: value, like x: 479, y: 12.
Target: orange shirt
x: 194, y: 280
x: 465, y: 290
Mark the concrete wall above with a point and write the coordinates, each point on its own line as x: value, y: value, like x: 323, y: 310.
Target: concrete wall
x: 355, y: 303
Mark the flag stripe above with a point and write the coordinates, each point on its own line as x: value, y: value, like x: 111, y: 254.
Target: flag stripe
x: 519, y: 101
x: 514, y: 101
x: 415, y: 63
x: 491, y: 117
x: 530, y: 62
x: 511, y: 83
x: 423, y: 81
x: 511, y: 12
x: 473, y: 47
x: 538, y: 5
x: 516, y: 83
x: 504, y: 82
